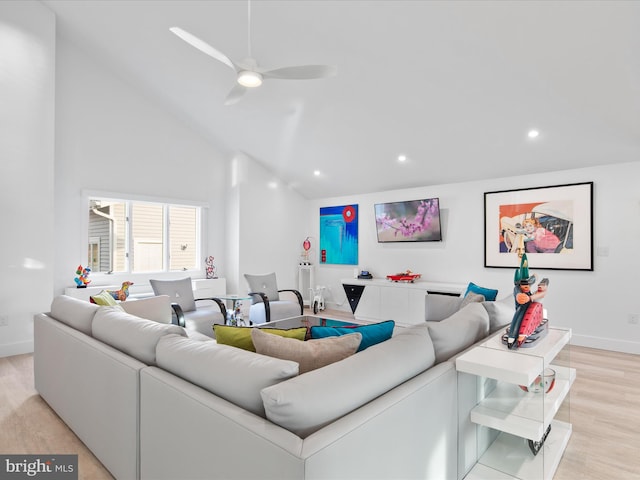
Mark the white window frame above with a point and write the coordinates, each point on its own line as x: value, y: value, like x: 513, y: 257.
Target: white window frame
x: 201, y: 240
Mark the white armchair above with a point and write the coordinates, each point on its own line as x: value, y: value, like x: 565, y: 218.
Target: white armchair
x: 191, y: 313
x: 267, y: 303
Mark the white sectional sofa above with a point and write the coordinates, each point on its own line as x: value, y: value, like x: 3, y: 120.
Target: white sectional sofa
x: 154, y: 401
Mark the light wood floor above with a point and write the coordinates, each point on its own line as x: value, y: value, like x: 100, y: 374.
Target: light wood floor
x: 605, y: 403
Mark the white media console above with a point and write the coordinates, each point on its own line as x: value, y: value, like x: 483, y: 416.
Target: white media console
x: 381, y: 299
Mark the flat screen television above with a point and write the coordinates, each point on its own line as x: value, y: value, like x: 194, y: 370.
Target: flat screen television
x: 409, y: 221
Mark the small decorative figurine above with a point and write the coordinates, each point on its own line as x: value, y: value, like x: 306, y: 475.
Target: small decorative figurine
x: 405, y: 277
x: 82, y: 279
x: 121, y: 294
x: 306, y: 251
x: 210, y: 269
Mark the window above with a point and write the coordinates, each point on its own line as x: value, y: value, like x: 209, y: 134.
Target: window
x: 137, y: 237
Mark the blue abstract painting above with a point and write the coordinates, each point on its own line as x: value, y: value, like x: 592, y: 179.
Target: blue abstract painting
x: 339, y: 235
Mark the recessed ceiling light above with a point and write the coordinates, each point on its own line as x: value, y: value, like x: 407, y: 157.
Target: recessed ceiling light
x: 533, y: 133
x: 402, y: 158
x: 316, y: 173
x: 272, y: 185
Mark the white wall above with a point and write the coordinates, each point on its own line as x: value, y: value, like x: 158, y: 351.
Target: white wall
x: 271, y: 224
x: 596, y: 305
x: 27, y: 69
x: 111, y: 137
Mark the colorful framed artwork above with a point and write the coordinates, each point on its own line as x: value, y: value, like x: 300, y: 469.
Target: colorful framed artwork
x: 553, y: 225
x: 339, y: 235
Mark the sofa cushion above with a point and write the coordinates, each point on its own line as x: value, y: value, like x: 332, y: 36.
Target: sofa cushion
x: 306, y: 403
x: 231, y: 373
x: 461, y: 330
x: 240, y: 337
x: 371, y: 334
x: 471, y: 298
x: 76, y: 313
x: 157, y: 308
x: 132, y: 335
x: 309, y: 355
x: 439, y: 306
x: 489, y: 293
x: 500, y: 313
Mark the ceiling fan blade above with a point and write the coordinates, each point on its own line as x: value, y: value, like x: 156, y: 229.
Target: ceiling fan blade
x: 302, y: 72
x: 236, y: 93
x: 203, y: 47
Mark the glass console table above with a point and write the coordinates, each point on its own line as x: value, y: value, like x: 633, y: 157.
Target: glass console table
x: 515, y: 421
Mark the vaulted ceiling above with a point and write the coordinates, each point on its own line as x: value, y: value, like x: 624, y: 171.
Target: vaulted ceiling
x: 453, y: 85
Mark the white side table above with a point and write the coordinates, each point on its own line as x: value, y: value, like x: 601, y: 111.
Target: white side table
x: 306, y: 283
x: 517, y: 415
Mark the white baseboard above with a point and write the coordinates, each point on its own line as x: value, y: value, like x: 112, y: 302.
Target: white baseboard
x: 623, y: 346
x: 11, y: 349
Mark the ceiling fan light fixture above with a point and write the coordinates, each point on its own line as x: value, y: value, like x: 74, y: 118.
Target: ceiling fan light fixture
x: 249, y: 79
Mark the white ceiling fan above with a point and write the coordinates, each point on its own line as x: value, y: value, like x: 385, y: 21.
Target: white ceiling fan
x: 248, y: 73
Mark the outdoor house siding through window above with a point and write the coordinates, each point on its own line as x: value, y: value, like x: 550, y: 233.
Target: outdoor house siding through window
x: 142, y: 236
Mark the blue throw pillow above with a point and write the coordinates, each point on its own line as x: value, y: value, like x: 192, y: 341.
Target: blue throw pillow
x: 371, y: 334
x: 488, y: 293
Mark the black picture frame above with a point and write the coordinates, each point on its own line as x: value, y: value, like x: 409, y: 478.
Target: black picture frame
x: 553, y: 225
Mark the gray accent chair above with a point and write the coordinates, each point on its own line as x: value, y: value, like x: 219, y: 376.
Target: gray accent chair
x: 266, y: 303
x: 191, y: 313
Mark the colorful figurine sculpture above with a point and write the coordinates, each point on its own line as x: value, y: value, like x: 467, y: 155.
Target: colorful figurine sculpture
x: 306, y: 252
x: 121, y: 294
x: 82, y: 279
x: 210, y: 269
x: 529, y: 313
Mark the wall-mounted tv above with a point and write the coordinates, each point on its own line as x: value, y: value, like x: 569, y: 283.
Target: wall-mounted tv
x: 409, y: 221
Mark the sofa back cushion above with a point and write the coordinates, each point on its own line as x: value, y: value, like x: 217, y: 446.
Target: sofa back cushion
x: 500, y: 312
x: 234, y: 374
x: 439, y: 306
x: 157, y: 308
x: 459, y: 331
x: 76, y: 313
x: 308, y: 402
x: 132, y: 335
